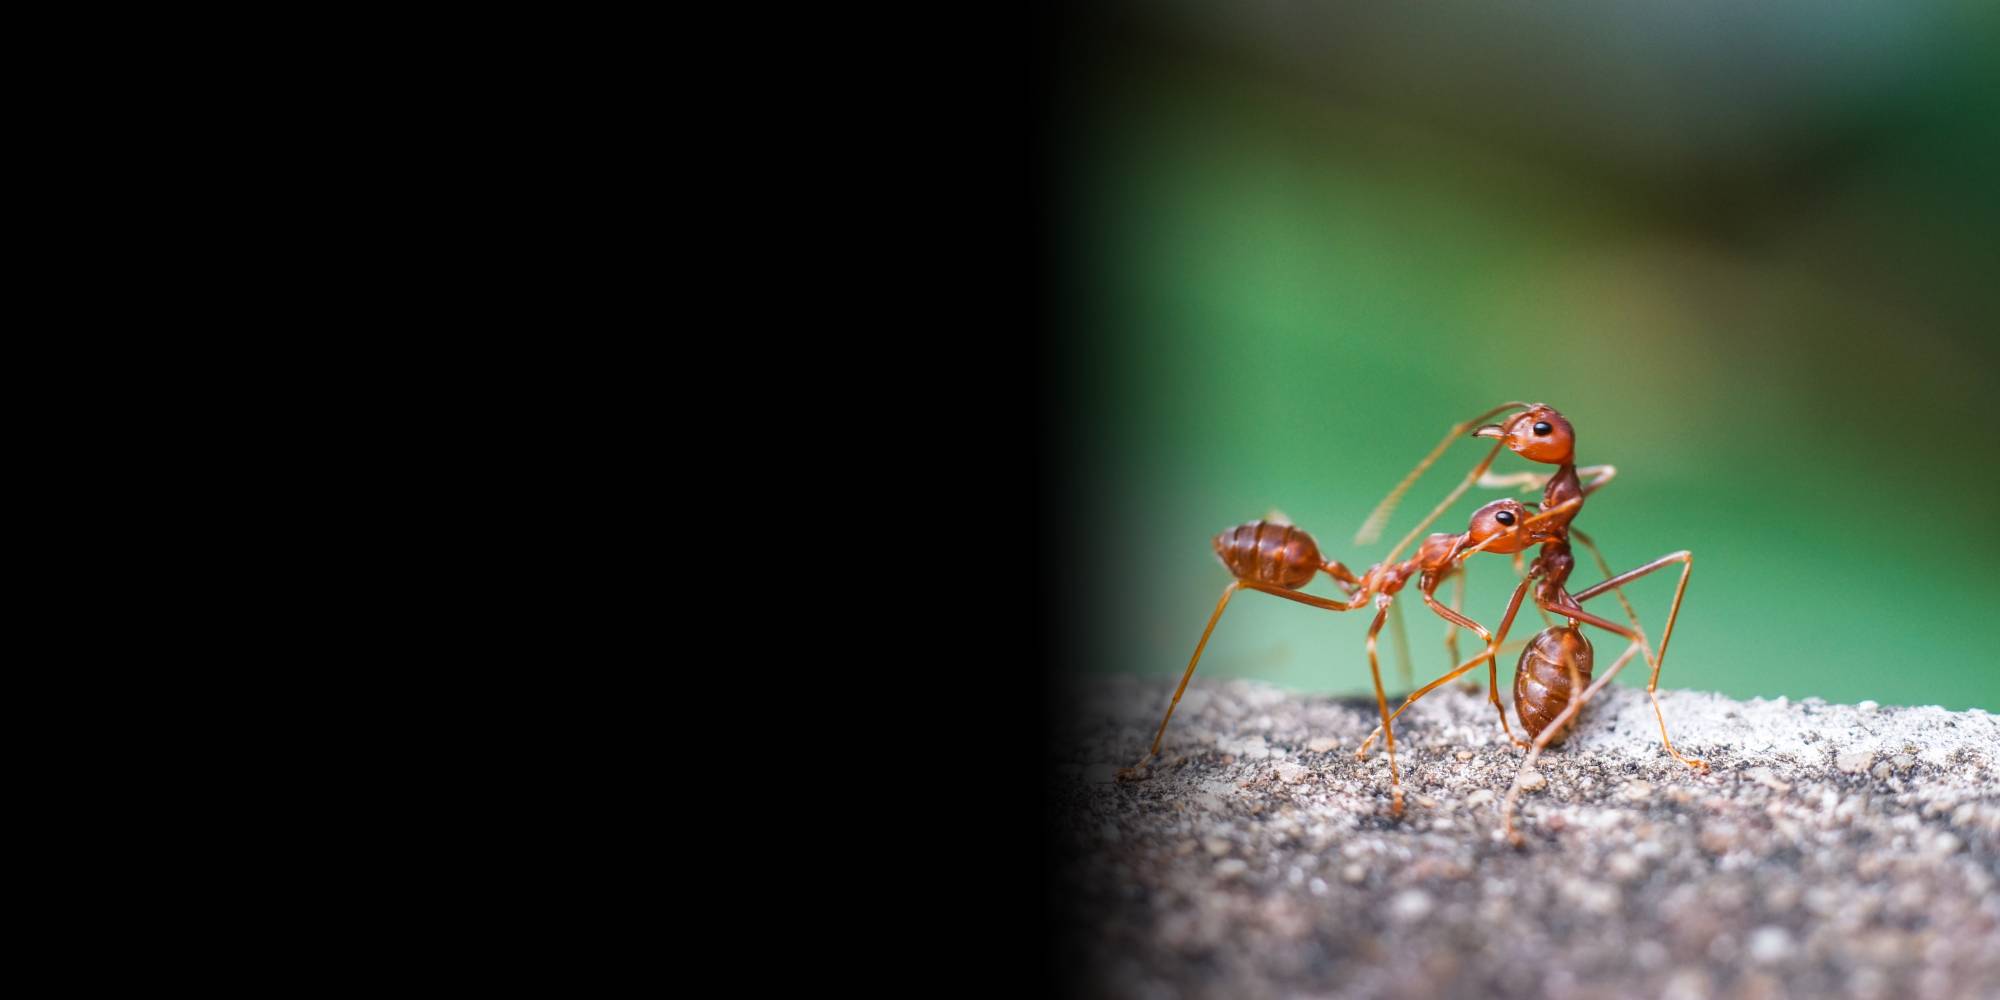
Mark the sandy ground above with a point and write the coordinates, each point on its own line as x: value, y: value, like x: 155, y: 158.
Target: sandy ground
x: 1831, y: 850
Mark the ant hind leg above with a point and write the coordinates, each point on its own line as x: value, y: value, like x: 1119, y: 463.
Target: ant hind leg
x: 1132, y: 773
x: 1556, y: 727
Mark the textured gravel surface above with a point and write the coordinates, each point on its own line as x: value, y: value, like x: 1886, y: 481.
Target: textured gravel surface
x: 1832, y: 850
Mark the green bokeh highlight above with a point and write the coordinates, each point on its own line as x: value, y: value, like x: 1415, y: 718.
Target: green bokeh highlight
x: 1286, y: 288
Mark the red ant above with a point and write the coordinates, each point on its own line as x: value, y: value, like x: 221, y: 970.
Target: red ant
x: 1273, y: 556
x: 1548, y: 682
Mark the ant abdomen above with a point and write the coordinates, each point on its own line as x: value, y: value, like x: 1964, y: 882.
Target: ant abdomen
x: 1543, y: 684
x: 1268, y: 552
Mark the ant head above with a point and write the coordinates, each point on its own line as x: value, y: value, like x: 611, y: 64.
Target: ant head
x: 1538, y: 434
x: 1497, y: 521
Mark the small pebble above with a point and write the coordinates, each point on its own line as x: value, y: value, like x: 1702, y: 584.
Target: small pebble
x: 1718, y: 839
x: 1409, y: 905
x: 1769, y: 779
x: 1592, y: 897
x: 1353, y: 873
x: 1482, y: 797
x: 1855, y: 761
x: 1465, y: 755
x: 1881, y: 771
x: 1289, y: 771
x: 1323, y: 744
x: 1688, y: 983
x: 1533, y: 781
x: 1638, y: 791
x: 1770, y: 944
x: 1216, y: 846
x: 1231, y: 867
x: 1868, y: 706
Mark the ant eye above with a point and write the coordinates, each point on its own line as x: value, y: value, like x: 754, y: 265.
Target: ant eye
x: 1542, y: 428
x: 1505, y: 517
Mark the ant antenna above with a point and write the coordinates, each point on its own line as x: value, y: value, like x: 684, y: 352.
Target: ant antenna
x: 1459, y: 491
x: 1378, y: 519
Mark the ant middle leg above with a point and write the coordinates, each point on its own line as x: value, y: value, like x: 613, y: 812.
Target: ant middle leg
x: 1405, y: 672
x: 1631, y: 613
x: 1686, y: 559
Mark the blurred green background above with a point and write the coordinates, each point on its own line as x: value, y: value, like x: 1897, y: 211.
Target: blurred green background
x: 1749, y: 250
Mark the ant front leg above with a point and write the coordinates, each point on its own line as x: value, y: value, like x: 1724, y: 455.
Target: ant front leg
x: 1492, y: 650
x: 1382, y: 604
x: 1526, y: 482
x: 1405, y: 672
x: 1451, y: 630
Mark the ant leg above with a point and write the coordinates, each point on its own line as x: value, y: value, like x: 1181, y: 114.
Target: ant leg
x: 1556, y: 725
x: 1451, y: 629
x: 1449, y: 499
x: 1598, y: 476
x: 1506, y: 622
x: 1378, y: 518
x: 1526, y: 482
x: 1455, y: 619
x: 1492, y: 662
x: 1382, y: 702
x: 1631, y: 614
x: 1686, y: 559
x: 1132, y: 773
x: 1404, y: 671
x: 1493, y: 659
x: 1547, y: 622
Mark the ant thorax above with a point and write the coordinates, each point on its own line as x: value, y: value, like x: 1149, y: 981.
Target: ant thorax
x: 1563, y: 487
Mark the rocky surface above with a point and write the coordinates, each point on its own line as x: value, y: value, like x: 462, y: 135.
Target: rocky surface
x: 1831, y: 850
